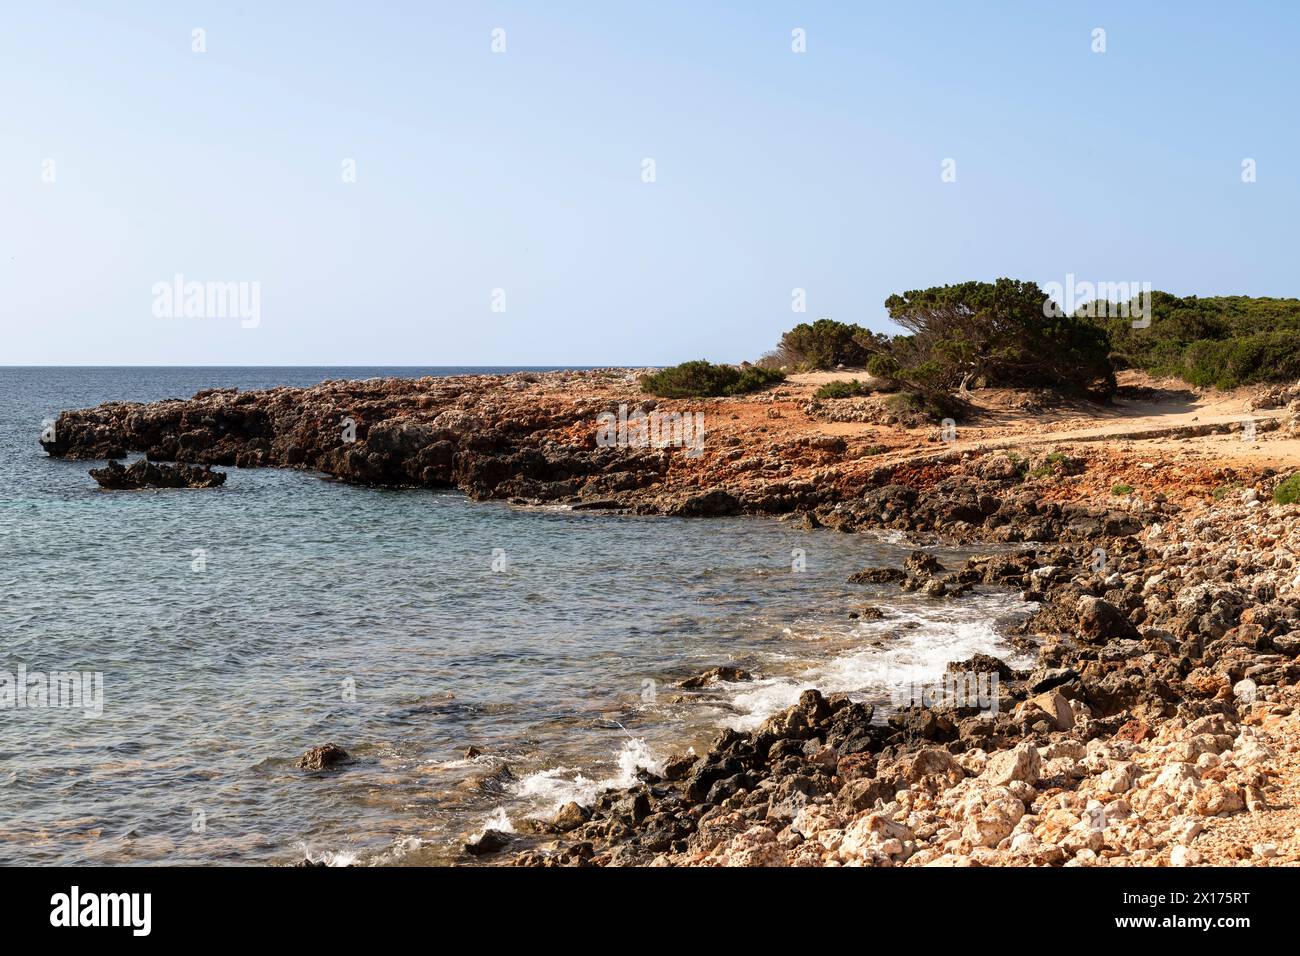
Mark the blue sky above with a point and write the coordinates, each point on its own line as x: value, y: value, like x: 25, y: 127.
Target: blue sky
x: 522, y: 170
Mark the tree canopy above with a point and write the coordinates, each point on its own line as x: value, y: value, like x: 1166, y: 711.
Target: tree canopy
x: 1001, y: 333
x: 1223, y: 341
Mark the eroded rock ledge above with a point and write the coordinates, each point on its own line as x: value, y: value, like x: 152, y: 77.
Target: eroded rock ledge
x: 531, y: 438
x: 144, y: 474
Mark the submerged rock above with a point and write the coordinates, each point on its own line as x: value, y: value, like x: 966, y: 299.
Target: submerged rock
x: 146, y: 474
x: 877, y: 576
x: 729, y: 674
x: 323, y: 758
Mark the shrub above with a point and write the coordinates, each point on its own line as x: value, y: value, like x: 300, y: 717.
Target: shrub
x: 914, y: 409
x: 1223, y: 491
x: 842, y: 389
x: 1003, y: 333
x: 755, y: 378
x: 1121, y: 489
x: 703, y: 379
x: 883, y: 366
x: 1288, y: 492
x: 1221, y: 341
x: 777, y: 358
x: 1243, y: 360
x: 823, y: 344
x: 1051, y: 465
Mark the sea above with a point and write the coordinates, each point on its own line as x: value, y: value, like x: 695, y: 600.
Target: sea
x: 216, y: 635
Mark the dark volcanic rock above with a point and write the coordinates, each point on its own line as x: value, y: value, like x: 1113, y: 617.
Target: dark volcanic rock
x: 147, y: 474
x: 982, y: 664
x: 491, y: 841
x: 715, y: 674
x: 323, y: 758
x: 877, y: 576
x: 710, y: 504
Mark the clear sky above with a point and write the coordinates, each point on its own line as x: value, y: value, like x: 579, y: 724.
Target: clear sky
x: 523, y: 170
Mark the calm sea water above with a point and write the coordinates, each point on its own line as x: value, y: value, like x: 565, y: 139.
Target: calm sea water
x: 235, y: 628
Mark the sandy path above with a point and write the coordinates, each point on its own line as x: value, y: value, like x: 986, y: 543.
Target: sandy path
x: 1156, y: 427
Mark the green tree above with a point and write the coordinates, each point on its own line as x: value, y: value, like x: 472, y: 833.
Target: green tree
x: 824, y: 344
x: 1001, y: 333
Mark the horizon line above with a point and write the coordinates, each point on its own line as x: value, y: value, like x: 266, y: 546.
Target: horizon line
x: 545, y: 367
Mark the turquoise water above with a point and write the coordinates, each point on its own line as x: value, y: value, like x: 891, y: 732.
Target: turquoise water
x: 235, y: 628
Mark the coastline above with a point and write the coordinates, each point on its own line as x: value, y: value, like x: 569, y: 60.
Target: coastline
x: 1168, y: 743
x: 1098, y: 758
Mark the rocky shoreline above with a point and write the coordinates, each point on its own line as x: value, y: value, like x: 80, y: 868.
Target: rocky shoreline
x: 533, y: 439
x: 1159, y: 726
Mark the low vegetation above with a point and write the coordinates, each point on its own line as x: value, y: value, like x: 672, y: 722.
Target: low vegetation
x: 1221, y: 341
x: 1288, y: 491
x: 701, y: 379
x: 914, y: 409
x: 824, y: 344
x: 843, y: 389
x: 1053, y: 464
x: 1008, y: 333
x: 990, y: 334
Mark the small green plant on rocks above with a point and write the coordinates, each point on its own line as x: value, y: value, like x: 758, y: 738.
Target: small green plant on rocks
x: 842, y: 389
x: 1288, y: 491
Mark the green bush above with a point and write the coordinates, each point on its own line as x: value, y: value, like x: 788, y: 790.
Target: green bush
x: 1121, y: 489
x: 883, y: 366
x: 1223, y: 491
x: 824, y: 344
x: 914, y: 409
x: 1220, y: 341
x: 1288, y: 491
x: 1245, y: 360
x: 699, y: 379
x: 842, y: 389
x: 1003, y: 333
x: 1053, y: 463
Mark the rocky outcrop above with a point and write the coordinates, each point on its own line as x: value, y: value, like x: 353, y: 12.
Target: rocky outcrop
x: 323, y: 757
x: 534, y: 438
x: 713, y: 675
x: 146, y: 474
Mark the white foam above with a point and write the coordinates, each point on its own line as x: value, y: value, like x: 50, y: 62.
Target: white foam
x: 329, y: 857
x: 552, y: 788
x: 922, y: 640
x: 496, y: 820
x: 402, y: 846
